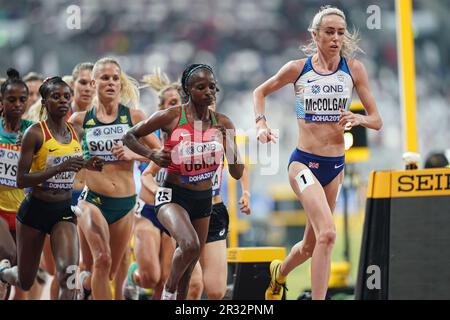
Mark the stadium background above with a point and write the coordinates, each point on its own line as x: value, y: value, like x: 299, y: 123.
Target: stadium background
x: 245, y: 41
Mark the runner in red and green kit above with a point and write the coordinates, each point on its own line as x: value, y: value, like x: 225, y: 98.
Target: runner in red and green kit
x: 192, y: 154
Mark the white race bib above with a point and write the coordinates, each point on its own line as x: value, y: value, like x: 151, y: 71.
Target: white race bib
x: 163, y: 195
x: 304, y: 179
x: 139, y: 207
x: 63, y: 180
x: 100, y: 140
x: 322, y: 101
x: 9, y: 160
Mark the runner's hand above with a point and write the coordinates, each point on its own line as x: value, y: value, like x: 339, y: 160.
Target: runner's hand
x: 121, y: 152
x: 73, y: 164
x: 265, y: 135
x: 349, y: 119
x: 94, y: 164
x: 245, y: 204
x: 162, y: 158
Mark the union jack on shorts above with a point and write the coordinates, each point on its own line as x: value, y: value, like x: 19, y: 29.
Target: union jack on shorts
x: 313, y: 165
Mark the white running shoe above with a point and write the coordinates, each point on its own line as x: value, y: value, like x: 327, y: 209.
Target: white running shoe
x: 5, y: 288
x: 166, y: 295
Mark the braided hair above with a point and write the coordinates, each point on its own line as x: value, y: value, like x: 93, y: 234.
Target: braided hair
x: 13, y: 78
x: 44, y: 91
x: 191, y: 70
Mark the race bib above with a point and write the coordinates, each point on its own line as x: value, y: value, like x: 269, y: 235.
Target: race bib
x: 322, y: 101
x: 217, y: 182
x: 9, y: 160
x: 199, y: 161
x: 163, y: 195
x: 304, y: 179
x: 63, y: 180
x: 139, y: 207
x: 100, y: 140
x: 83, y: 194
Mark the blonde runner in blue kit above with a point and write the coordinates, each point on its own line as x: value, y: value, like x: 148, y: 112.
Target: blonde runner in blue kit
x: 319, y: 98
x: 323, y: 84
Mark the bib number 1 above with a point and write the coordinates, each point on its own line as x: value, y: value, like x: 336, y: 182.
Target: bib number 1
x: 304, y: 179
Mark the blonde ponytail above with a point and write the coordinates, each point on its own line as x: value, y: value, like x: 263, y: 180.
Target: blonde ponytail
x: 160, y: 82
x: 157, y: 80
x: 129, y: 94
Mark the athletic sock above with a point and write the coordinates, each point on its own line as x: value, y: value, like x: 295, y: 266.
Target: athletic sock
x: 168, y: 296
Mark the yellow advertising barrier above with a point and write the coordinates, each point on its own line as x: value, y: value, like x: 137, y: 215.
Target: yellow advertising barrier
x: 405, y: 245
x: 248, y: 270
x: 409, y: 183
x: 255, y: 254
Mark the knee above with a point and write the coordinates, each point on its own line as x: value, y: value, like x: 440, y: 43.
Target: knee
x: 191, y: 248
x: 327, y: 237
x: 103, y: 261
x: 149, y: 279
x: 216, y: 293
x: 195, y: 287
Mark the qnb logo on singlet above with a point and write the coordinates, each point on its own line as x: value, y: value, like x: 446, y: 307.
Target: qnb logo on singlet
x: 322, y: 101
x: 194, y: 149
x: 9, y: 160
x: 63, y: 180
x: 100, y: 140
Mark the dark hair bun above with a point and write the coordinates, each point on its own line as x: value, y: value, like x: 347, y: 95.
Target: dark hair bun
x: 13, y: 73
